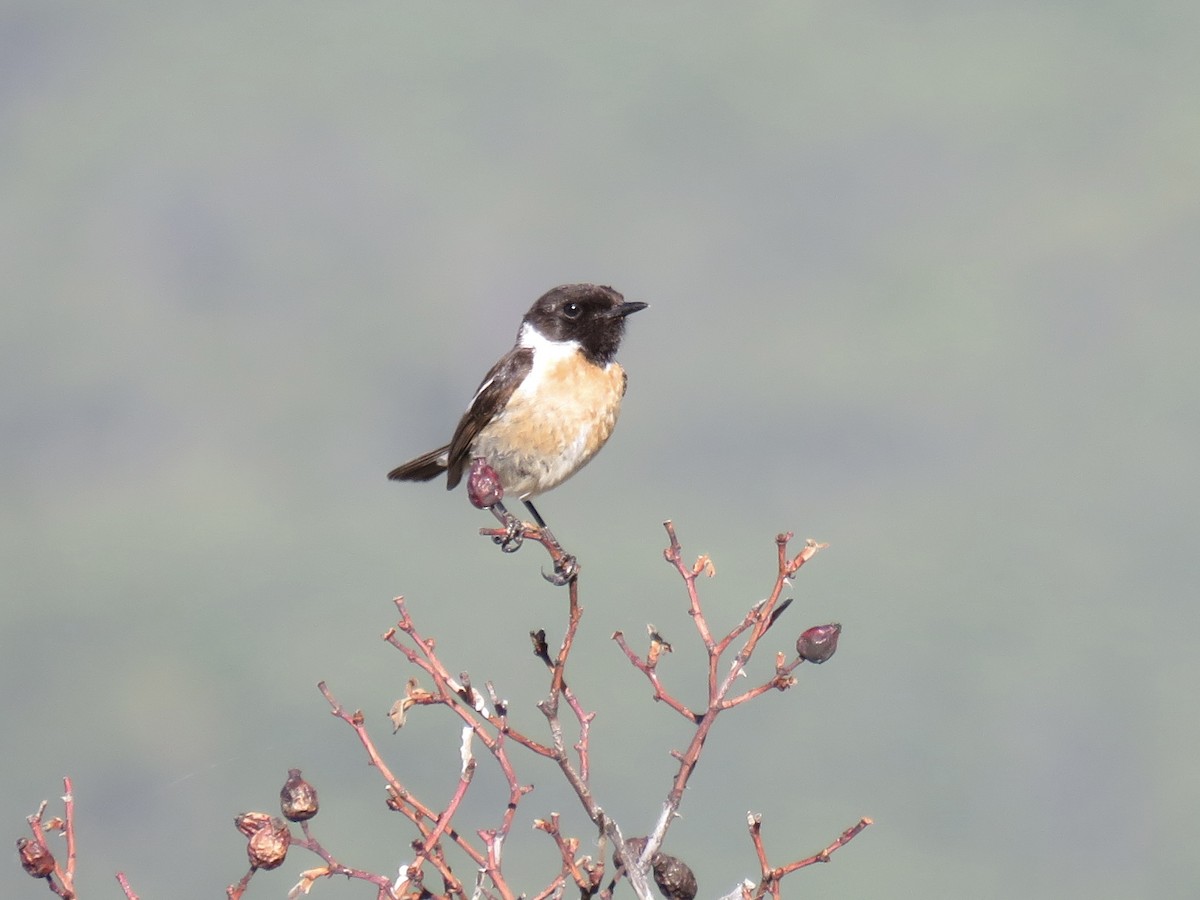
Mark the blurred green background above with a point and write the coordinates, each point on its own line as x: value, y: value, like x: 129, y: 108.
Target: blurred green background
x: 923, y: 282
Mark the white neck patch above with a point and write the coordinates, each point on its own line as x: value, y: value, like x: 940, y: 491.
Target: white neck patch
x: 547, y: 354
x: 545, y: 350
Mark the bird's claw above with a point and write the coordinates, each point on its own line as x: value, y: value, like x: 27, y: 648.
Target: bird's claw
x: 510, y: 541
x: 566, y: 570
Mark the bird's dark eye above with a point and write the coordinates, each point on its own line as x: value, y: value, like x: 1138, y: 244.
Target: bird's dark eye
x: 572, y: 310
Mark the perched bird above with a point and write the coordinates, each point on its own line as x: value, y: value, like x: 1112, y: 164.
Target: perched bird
x: 545, y: 408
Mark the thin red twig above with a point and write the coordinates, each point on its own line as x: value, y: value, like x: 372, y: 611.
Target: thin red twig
x: 651, y: 672
x: 124, y: 883
x: 69, y: 813
x: 235, y: 891
x: 772, y: 876
x: 443, y: 821
x: 333, y: 867
x: 567, y: 848
x: 60, y: 881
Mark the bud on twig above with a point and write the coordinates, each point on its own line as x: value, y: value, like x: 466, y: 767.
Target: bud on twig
x: 298, y: 799
x: 35, y: 858
x: 658, y: 646
x: 484, y: 489
x: 818, y: 643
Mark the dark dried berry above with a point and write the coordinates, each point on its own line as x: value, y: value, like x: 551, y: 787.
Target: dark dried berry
x: 35, y: 858
x: 635, y: 845
x: 298, y: 799
x: 484, y: 489
x: 674, y: 878
x: 818, y: 643
x: 268, y: 846
x: 248, y: 823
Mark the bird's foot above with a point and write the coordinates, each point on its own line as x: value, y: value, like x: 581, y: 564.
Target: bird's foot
x: 513, y: 532
x: 510, y: 541
x: 566, y: 570
x: 514, y: 529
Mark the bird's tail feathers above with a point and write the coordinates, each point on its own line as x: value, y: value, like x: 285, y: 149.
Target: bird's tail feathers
x: 424, y: 468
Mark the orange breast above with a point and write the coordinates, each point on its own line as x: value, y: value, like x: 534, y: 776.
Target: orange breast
x: 555, y: 422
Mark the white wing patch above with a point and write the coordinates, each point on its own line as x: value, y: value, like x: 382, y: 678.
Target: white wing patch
x: 483, y: 387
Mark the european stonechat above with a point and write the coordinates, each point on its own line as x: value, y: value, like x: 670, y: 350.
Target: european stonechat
x: 543, y: 410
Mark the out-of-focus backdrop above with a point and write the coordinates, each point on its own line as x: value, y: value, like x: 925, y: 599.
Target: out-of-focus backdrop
x: 923, y: 283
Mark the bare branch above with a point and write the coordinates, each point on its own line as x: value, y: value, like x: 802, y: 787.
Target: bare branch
x: 771, y: 877
x: 483, y: 717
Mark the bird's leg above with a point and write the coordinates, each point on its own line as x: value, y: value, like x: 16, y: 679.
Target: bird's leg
x: 566, y: 567
x: 485, y: 491
x: 510, y: 542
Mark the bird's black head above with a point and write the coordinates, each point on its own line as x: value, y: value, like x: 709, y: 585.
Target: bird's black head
x: 591, y: 314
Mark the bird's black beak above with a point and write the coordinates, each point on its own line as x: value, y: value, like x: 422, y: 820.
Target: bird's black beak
x: 620, y: 312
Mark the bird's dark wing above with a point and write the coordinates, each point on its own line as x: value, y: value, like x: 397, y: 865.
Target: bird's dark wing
x: 493, y: 393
